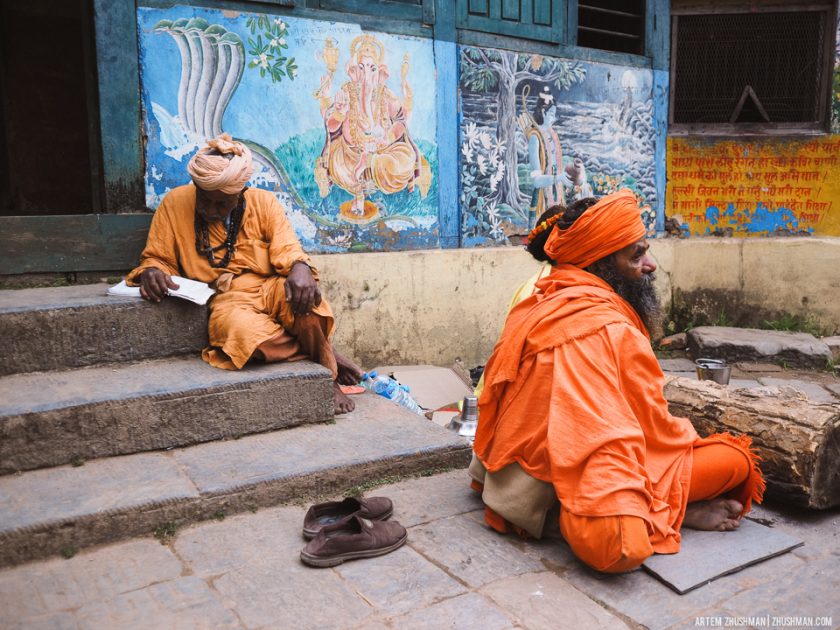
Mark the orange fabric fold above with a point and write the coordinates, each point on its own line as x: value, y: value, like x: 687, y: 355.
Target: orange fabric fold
x: 727, y: 465
x: 574, y: 394
x: 604, y: 228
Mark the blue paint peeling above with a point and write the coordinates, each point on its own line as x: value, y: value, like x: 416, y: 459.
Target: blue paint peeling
x: 761, y: 221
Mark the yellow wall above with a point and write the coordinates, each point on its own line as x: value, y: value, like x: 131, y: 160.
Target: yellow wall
x: 754, y: 188
x: 435, y: 306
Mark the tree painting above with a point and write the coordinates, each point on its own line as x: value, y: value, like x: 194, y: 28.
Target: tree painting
x: 483, y: 70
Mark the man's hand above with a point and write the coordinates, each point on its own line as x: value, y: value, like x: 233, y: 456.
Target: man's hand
x: 302, y: 292
x: 155, y: 285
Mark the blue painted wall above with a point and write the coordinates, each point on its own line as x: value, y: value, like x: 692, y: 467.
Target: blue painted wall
x: 601, y: 137
x: 265, y: 80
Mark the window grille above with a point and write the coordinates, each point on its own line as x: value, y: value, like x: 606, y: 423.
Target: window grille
x: 617, y: 25
x: 763, y: 67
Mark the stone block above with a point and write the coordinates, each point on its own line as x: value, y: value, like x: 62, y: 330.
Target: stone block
x: 42, y: 588
x: 399, y: 582
x: 269, y: 537
x: 706, y: 556
x: 287, y: 593
x: 808, y: 591
x: 833, y: 344
x: 377, y: 439
x: 45, y: 511
x: 747, y: 344
x: 677, y: 365
x: 462, y: 546
x: 543, y: 601
x: 53, y: 418
x: 187, y: 602
x: 470, y: 611
x: 428, y: 499
x: 814, y: 391
x: 744, y: 382
x: 54, y: 621
x: 67, y: 327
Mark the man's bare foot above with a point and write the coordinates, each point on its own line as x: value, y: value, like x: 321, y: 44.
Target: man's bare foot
x: 717, y: 515
x: 343, y: 404
x: 348, y: 372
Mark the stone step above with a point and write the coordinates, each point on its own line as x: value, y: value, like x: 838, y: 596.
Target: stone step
x: 66, y: 327
x: 59, y: 510
x: 793, y: 349
x: 53, y: 418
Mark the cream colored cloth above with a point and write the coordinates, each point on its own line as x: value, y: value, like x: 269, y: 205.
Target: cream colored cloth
x: 516, y: 496
x: 223, y: 165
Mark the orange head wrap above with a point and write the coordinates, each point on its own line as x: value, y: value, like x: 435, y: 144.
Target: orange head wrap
x: 223, y: 165
x: 606, y: 227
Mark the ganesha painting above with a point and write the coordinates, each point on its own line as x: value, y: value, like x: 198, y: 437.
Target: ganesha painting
x: 368, y: 146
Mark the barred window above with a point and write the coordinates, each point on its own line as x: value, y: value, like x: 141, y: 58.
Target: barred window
x: 751, y: 70
x: 617, y: 25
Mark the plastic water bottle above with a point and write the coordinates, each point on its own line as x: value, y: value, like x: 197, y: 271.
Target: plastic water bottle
x: 367, y: 380
x: 390, y: 389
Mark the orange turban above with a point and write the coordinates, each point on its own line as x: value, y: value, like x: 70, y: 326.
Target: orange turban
x: 610, y: 225
x: 223, y: 165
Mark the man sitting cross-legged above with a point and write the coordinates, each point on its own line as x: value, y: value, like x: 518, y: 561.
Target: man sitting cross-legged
x: 268, y: 306
x: 573, y: 406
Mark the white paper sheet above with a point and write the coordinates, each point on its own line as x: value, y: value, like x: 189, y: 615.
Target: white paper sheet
x: 197, y: 292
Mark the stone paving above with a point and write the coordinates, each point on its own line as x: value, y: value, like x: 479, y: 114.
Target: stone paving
x: 454, y: 572
x: 817, y: 386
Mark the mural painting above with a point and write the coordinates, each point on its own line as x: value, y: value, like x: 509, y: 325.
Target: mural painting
x: 835, y: 85
x: 766, y: 188
x: 328, y: 111
x: 538, y: 130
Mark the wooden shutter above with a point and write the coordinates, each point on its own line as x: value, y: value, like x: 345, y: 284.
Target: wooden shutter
x: 529, y: 19
x: 411, y: 10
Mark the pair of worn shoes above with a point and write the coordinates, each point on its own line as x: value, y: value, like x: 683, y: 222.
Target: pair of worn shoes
x: 350, y: 529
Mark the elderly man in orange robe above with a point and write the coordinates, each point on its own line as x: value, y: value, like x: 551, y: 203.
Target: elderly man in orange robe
x: 573, y: 407
x: 268, y: 306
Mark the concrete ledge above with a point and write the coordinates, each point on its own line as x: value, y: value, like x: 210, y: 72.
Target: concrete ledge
x: 66, y: 327
x: 53, y: 418
x: 43, y: 512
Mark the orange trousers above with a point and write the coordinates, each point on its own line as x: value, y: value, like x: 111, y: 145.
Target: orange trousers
x: 723, y: 465
x: 306, y: 339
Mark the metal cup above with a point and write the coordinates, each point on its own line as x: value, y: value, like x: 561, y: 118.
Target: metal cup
x: 713, y: 370
x: 466, y: 424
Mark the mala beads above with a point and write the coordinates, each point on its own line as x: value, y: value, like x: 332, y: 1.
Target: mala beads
x: 202, y: 235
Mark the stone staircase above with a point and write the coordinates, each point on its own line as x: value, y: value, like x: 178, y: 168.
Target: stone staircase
x: 111, y: 426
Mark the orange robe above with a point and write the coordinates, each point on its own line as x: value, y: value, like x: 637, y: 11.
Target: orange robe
x: 250, y: 306
x: 574, y: 394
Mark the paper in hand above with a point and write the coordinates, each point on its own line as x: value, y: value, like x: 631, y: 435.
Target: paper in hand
x: 192, y: 290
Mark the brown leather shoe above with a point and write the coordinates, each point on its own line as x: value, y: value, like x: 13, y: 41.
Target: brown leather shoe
x: 323, y: 514
x: 353, y: 538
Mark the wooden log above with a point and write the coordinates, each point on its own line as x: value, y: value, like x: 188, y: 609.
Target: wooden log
x: 798, y: 440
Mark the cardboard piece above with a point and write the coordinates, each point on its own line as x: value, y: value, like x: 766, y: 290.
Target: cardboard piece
x: 706, y: 556
x: 443, y: 418
x: 432, y: 387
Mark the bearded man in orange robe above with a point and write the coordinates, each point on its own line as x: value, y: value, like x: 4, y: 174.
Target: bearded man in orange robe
x: 573, y: 408
x: 268, y: 306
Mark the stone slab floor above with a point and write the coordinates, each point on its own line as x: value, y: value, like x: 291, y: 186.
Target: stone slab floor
x: 454, y: 572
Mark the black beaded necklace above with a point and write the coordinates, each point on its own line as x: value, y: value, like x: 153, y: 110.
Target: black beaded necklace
x: 202, y: 235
